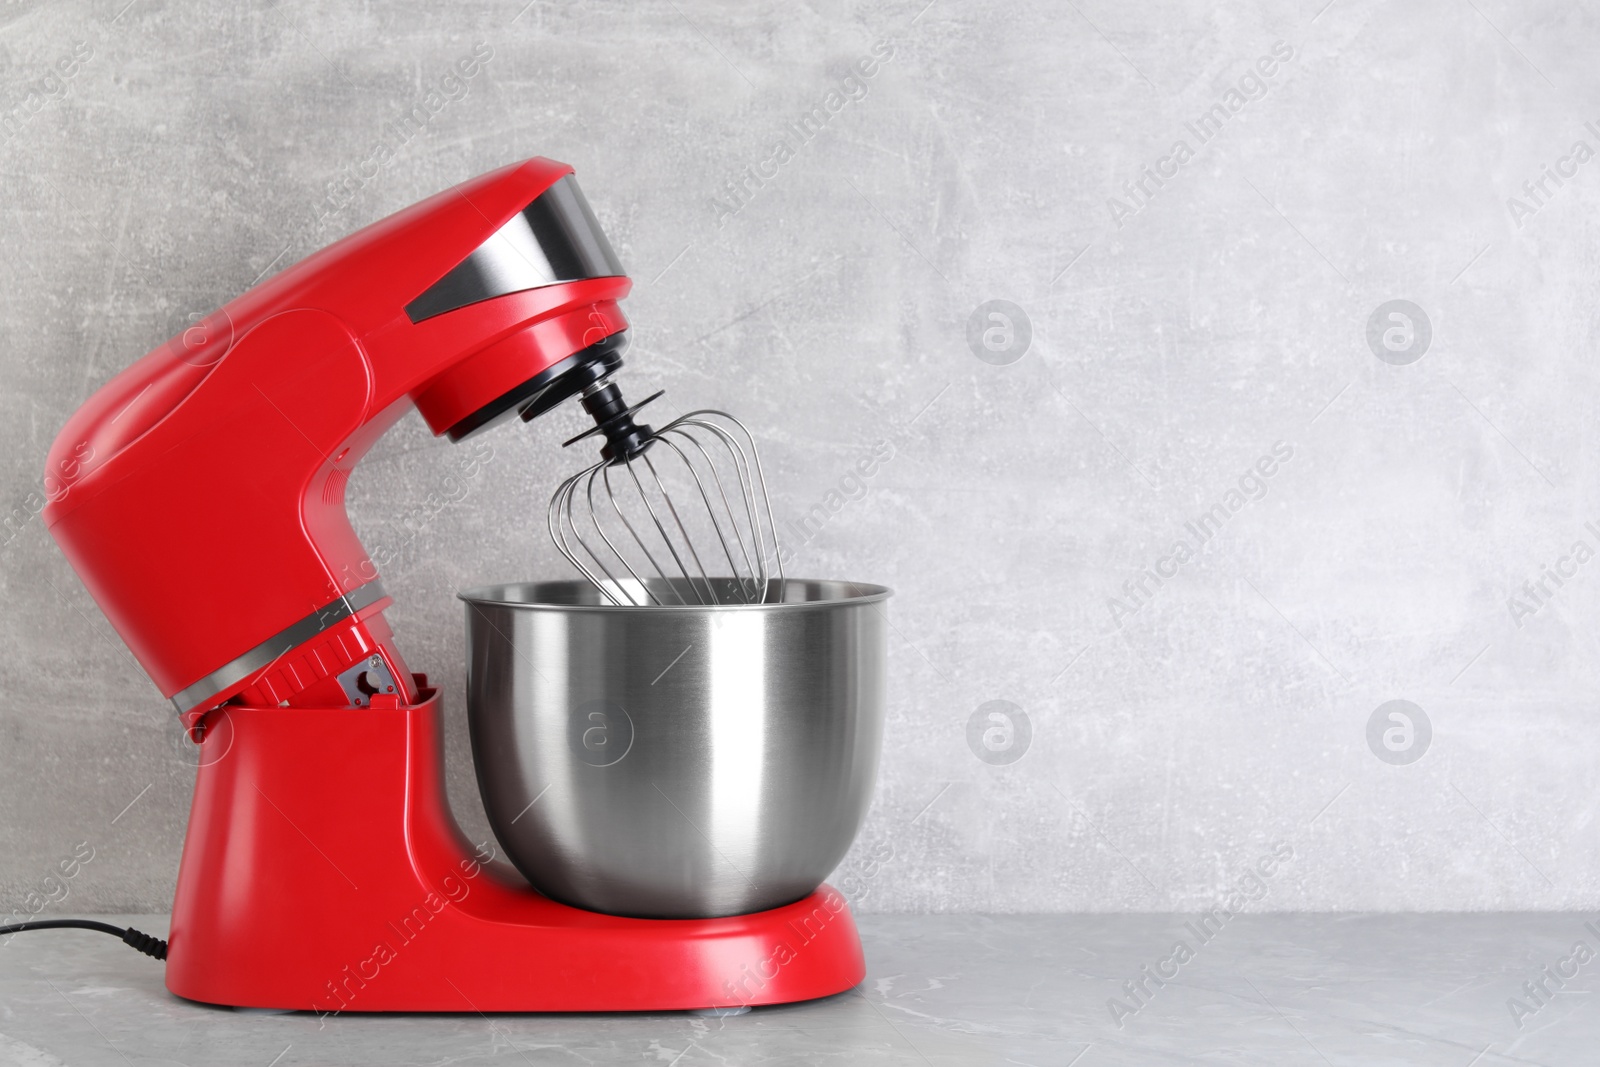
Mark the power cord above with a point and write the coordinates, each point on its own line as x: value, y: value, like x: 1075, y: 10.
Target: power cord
x: 146, y: 943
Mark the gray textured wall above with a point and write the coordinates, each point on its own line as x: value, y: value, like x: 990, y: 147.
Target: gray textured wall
x: 1178, y: 724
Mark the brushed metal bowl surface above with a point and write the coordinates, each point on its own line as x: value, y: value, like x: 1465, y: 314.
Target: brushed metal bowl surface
x: 676, y: 761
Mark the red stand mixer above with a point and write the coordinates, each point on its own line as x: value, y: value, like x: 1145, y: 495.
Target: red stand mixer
x: 200, y: 496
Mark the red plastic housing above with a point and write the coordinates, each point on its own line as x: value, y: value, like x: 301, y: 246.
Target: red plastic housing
x: 322, y: 871
x: 200, y: 493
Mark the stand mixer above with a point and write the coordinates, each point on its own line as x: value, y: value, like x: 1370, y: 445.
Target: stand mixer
x: 200, y: 496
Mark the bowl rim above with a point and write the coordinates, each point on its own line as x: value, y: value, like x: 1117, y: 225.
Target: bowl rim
x: 494, y: 594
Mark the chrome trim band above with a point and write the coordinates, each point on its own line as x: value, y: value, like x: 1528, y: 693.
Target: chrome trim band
x: 241, y: 667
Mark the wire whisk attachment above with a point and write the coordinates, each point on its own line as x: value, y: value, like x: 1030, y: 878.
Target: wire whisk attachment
x: 678, y: 515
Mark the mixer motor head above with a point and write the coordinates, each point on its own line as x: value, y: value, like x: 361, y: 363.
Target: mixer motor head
x: 662, y: 512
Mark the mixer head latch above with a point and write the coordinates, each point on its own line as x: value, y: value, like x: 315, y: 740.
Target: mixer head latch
x: 613, y: 417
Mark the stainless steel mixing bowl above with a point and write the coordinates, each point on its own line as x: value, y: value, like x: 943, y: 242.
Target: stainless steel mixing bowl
x: 676, y: 761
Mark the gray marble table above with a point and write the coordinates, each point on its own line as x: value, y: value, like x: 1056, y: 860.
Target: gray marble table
x: 941, y: 989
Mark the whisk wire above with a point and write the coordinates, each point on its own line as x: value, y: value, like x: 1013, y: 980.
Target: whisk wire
x: 657, y: 559
x: 594, y: 472
x: 611, y: 495
x: 754, y: 482
x: 716, y: 523
x: 561, y: 509
x: 688, y: 541
x: 757, y: 567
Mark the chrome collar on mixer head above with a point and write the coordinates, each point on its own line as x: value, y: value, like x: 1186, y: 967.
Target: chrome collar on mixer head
x: 675, y: 503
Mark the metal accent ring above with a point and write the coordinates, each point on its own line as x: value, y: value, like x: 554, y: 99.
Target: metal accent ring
x: 241, y: 667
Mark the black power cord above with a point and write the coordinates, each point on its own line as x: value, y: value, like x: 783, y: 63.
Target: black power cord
x: 146, y: 943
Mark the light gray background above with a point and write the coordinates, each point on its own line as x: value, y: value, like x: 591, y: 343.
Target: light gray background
x: 188, y: 155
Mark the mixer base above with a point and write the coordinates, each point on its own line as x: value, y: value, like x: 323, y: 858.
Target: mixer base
x: 323, y: 871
